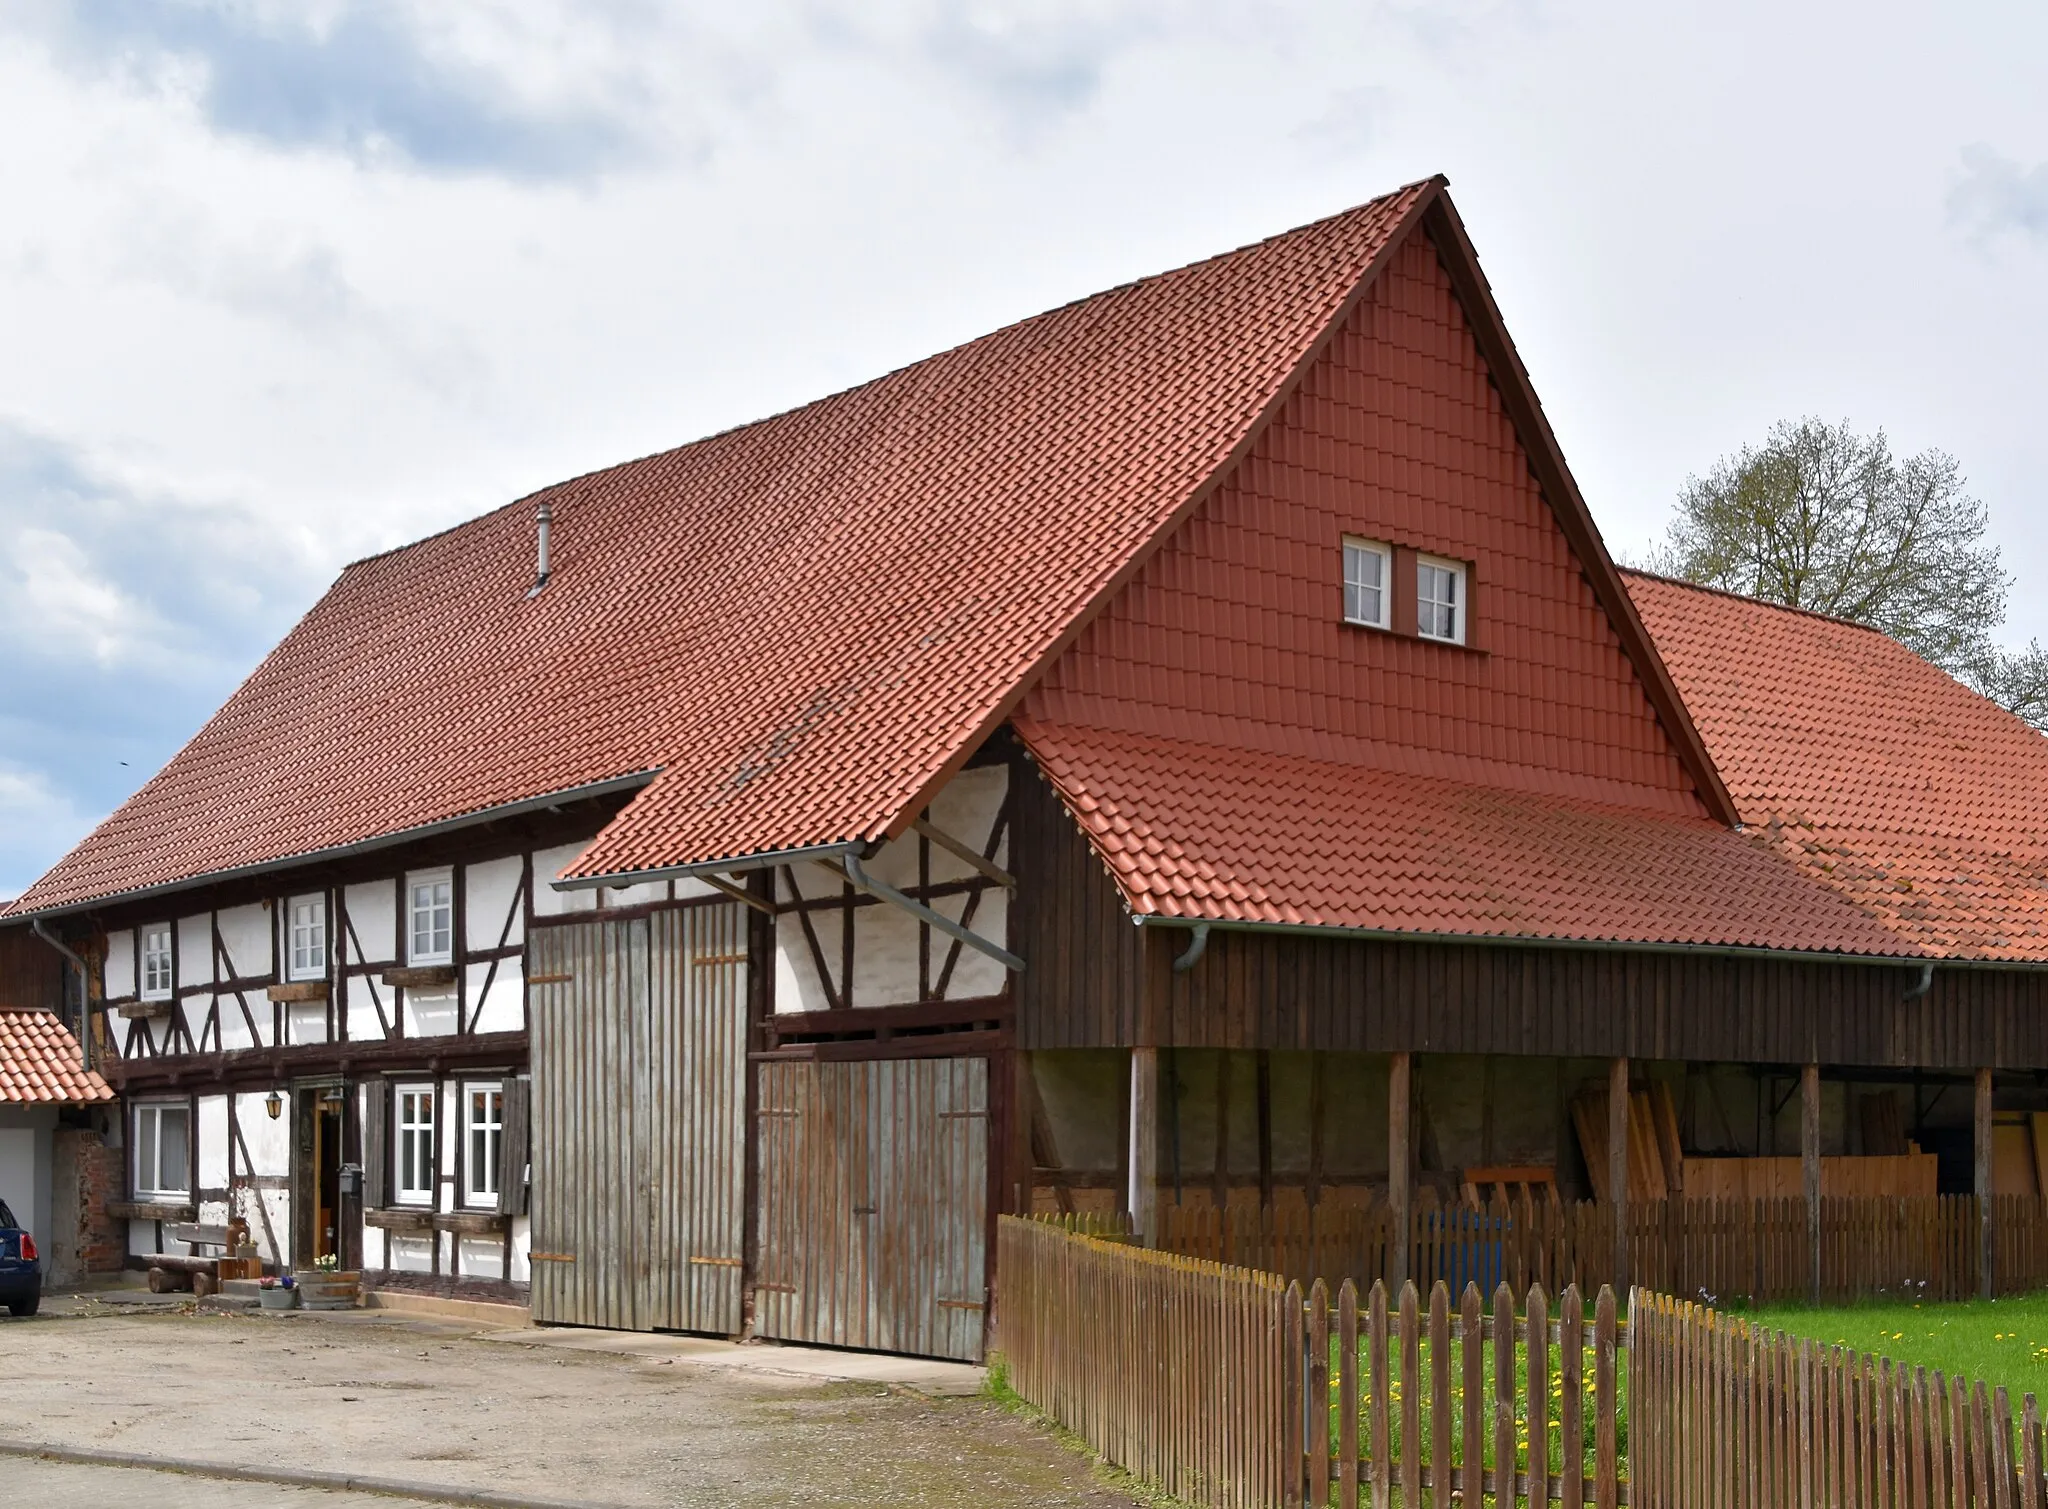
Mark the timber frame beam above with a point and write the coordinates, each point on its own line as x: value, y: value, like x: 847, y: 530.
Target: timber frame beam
x: 860, y: 880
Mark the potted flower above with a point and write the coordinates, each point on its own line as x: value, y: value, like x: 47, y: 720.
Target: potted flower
x: 274, y: 1293
x: 329, y: 1286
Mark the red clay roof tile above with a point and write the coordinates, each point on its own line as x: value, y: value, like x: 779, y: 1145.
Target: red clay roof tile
x: 1876, y: 773
x: 39, y: 1062
x: 806, y: 622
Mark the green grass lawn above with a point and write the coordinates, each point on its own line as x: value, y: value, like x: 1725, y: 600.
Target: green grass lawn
x: 2001, y: 1341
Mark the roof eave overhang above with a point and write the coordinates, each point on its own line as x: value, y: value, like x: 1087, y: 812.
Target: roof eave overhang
x: 766, y: 859
x: 590, y: 790
x: 1914, y: 960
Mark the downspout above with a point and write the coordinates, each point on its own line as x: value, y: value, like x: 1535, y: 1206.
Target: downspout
x: 1195, y: 949
x: 37, y: 927
x: 1921, y: 986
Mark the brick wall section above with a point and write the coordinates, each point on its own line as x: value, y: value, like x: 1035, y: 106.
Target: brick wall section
x: 86, y: 1175
x: 1233, y: 634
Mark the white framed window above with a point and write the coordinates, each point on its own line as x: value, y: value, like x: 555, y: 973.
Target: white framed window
x: 430, y: 904
x: 305, y: 938
x: 483, y: 1125
x: 163, y: 1150
x: 415, y: 1145
x: 1368, y: 583
x: 158, y: 975
x: 1440, y: 599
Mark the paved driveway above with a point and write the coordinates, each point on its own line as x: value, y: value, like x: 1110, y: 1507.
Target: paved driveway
x: 685, y: 1424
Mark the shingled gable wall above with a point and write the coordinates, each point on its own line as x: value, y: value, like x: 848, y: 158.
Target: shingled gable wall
x: 1233, y: 632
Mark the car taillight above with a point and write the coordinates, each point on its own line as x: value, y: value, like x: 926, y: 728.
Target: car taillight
x: 28, y: 1248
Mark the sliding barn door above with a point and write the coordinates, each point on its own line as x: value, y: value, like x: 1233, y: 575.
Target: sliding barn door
x: 874, y: 1204
x: 639, y: 1058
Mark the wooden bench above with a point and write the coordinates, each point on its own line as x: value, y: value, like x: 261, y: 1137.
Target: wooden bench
x: 191, y: 1268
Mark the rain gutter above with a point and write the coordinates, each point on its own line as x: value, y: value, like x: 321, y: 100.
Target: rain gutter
x: 1919, y: 962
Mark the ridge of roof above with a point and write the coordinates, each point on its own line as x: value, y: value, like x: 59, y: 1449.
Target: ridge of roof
x: 1758, y: 602
x: 535, y: 495
x: 852, y: 547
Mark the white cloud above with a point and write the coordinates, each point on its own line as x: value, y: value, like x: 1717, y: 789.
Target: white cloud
x: 37, y: 823
x: 56, y: 604
x: 1994, y: 194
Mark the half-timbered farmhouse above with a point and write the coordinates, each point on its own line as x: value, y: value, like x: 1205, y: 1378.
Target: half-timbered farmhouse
x: 1191, y: 748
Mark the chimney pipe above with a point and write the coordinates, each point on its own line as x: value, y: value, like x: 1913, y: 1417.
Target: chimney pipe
x: 543, y: 517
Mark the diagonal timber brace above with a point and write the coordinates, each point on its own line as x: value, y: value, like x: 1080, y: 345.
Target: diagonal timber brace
x: 865, y: 882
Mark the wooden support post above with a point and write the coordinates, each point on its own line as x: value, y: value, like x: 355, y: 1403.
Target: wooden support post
x: 1617, y: 1165
x: 1982, y: 1124
x: 1400, y: 1163
x: 1144, y: 1145
x: 1809, y: 1171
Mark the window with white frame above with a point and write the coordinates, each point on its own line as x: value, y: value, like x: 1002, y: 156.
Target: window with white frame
x: 305, y: 925
x: 1440, y: 599
x: 1368, y: 575
x: 483, y: 1118
x: 431, y: 906
x: 415, y: 1182
x: 157, y: 975
x: 163, y: 1150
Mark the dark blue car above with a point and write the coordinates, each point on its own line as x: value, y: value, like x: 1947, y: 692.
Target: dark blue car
x: 21, y: 1270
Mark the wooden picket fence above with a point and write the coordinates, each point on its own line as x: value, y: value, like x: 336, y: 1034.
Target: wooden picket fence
x: 1227, y: 1387
x: 1170, y: 1367
x: 1724, y: 1415
x: 1755, y: 1251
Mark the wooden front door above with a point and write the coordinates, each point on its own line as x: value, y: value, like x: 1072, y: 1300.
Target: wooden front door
x: 316, y: 1170
x: 639, y: 1121
x: 874, y: 1204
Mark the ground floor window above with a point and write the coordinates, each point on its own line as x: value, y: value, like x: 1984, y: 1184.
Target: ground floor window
x: 415, y: 1144
x: 484, y: 1119
x: 163, y: 1151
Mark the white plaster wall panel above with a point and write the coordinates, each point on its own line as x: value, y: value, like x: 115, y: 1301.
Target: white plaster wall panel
x: 213, y: 1142
x: 269, y: 1142
x: 234, y: 1027
x: 192, y: 1010
x: 408, y: 1253
x: 504, y: 1008
x: 210, y: 1213
x: 373, y: 919
x: 273, y: 1242
x: 117, y: 975
x: 430, y: 1014
x: 245, y: 935
x: 364, y: 995
x: 522, y: 1251
x: 690, y: 890
x: 482, y: 1257
x: 797, y: 985
x: 885, y: 956
x: 548, y: 865
x: 142, y: 1238
x: 306, y: 1021
x: 976, y: 975
x: 375, y: 1254
x: 489, y: 890
x: 22, y: 1175
x: 195, y: 949
x: 966, y: 808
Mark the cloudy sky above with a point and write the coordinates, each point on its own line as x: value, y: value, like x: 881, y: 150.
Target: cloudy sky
x: 286, y: 281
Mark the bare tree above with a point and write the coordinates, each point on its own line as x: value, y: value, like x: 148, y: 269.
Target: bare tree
x: 1820, y: 517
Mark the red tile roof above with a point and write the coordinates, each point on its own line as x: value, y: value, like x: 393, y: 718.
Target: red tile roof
x: 39, y: 1062
x: 807, y: 622
x: 1203, y: 831
x: 1881, y: 777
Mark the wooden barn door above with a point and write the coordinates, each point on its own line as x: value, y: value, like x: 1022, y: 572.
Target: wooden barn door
x: 874, y: 1204
x: 639, y: 1061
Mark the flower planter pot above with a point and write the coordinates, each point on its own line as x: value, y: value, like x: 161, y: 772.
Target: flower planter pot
x: 278, y: 1299
x: 329, y: 1291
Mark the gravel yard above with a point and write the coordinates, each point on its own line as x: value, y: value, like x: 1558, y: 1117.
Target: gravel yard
x: 440, y: 1404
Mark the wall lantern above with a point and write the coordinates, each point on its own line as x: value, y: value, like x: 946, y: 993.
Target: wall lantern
x: 274, y: 1104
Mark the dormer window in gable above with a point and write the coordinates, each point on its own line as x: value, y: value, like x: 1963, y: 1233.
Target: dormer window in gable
x: 1368, y: 583
x: 1440, y: 599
